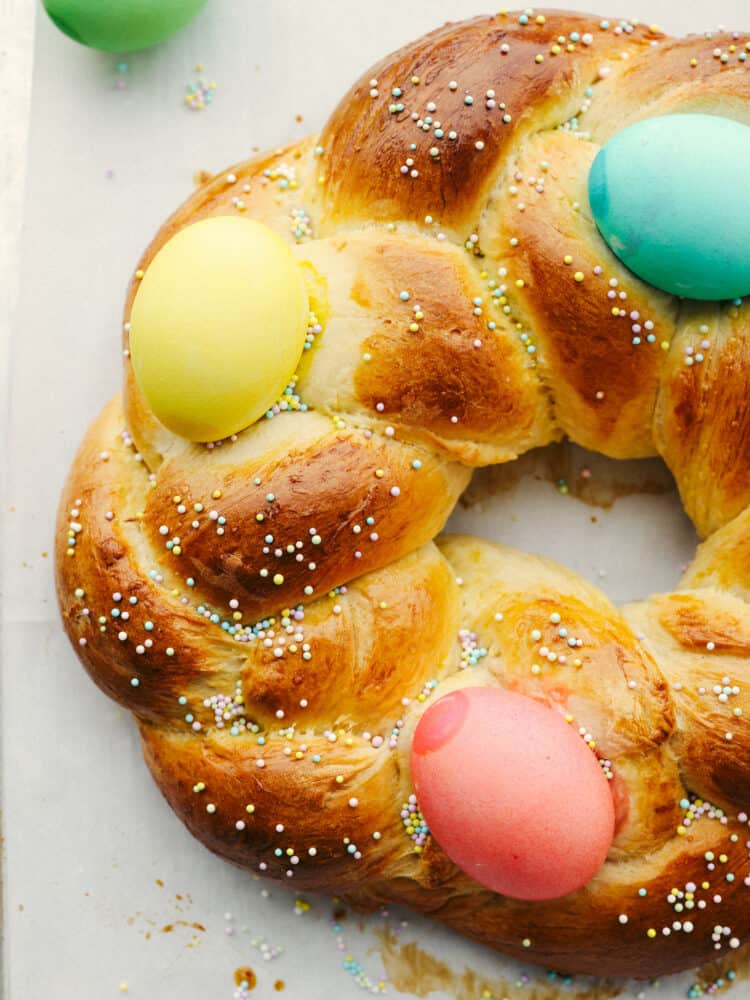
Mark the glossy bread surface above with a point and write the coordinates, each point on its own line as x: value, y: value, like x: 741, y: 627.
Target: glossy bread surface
x: 273, y: 608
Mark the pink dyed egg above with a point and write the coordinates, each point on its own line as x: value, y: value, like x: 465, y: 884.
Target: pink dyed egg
x: 511, y: 793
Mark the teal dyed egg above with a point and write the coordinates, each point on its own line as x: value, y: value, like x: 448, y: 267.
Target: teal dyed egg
x: 121, y: 25
x: 670, y: 197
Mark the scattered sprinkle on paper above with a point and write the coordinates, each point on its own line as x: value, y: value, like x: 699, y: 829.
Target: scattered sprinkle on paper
x: 200, y: 94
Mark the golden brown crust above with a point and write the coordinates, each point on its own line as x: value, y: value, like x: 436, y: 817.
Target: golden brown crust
x: 662, y: 81
x: 698, y: 626
x: 365, y: 144
x: 461, y: 379
x: 582, y: 307
x: 345, y: 502
x: 108, y: 586
x: 704, y: 636
x: 548, y: 934
x: 271, y: 607
x: 703, y: 418
x: 393, y: 630
x: 292, y: 804
x: 723, y: 560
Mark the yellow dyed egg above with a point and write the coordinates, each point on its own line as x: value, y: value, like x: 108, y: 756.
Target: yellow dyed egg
x: 218, y: 327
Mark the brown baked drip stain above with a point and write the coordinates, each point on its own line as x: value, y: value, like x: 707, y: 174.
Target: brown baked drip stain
x: 592, y: 478
x: 168, y: 928
x: 279, y: 985
x: 411, y: 969
x: 725, y: 972
x: 245, y: 975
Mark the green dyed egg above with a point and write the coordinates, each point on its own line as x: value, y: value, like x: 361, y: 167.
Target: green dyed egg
x: 670, y: 197
x: 121, y: 25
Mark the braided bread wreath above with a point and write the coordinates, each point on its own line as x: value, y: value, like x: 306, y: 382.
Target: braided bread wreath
x: 276, y: 611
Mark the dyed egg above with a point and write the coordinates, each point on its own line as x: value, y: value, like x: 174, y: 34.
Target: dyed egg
x: 669, y: 196
x: 121, y: 25
x: 511, y: 793
x: 218, y: 326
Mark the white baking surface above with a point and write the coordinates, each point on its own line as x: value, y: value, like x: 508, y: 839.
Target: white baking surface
x: 87, y: 835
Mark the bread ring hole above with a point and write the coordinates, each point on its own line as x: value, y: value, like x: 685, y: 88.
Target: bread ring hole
x: 619, y: 523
